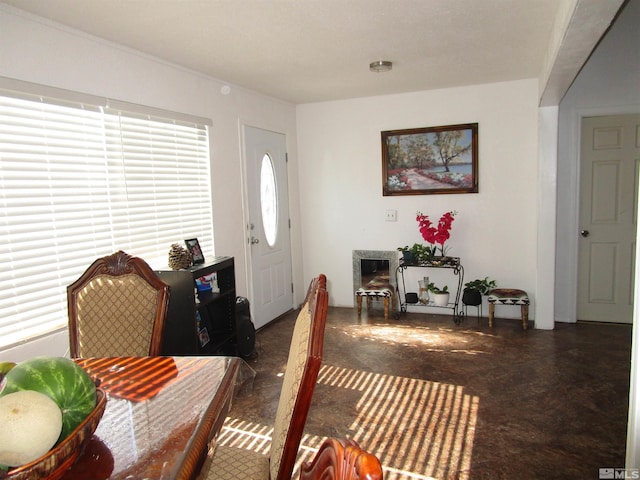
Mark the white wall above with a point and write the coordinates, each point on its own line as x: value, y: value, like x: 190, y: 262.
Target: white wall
x: 609, y: 83
x: 340, y: 164
x: 547, y: 198
x: 35, y: 50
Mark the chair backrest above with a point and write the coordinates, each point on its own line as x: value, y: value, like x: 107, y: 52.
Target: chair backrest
x: 117, y: 308
x: 301, y: 374
x: 342, y: 460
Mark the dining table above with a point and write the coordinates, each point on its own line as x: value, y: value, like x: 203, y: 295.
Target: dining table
x: 161, y: 418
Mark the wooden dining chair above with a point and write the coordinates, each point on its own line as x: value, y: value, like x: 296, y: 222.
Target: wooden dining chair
x: 342, y: 460
x: 117, y: 308
x: 301, y: 374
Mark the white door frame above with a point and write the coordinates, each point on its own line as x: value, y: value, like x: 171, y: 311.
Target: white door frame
x: 597, y: 306
x: 245, y: 210
x: 574, y: 207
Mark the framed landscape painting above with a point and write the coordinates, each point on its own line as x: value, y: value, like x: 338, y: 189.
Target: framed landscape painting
x: 431, y: 160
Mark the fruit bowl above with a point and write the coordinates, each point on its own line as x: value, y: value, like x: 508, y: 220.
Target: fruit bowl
x: 56, y: 461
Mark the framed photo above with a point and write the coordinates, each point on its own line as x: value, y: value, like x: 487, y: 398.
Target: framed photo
x: 196, y: 252
x: 203, y: 336
x: 424, y: 161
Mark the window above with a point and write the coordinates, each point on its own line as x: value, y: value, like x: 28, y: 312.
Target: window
x: 268, y: 200
x: 80, y: 180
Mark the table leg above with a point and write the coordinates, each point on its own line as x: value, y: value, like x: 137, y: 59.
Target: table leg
x: 359, y: 302
x: 386, y: 307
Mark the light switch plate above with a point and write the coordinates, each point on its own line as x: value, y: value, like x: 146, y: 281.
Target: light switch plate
x: 391, y: 216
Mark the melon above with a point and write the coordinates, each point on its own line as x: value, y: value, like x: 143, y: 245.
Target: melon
x: 30, y: 424
x: 62, y: 380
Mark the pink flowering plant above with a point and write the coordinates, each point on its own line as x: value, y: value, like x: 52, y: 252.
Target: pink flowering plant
x: 436, y: 234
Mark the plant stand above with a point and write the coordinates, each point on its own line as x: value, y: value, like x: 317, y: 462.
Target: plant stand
x: 451, y: 263
x: 472, y: 298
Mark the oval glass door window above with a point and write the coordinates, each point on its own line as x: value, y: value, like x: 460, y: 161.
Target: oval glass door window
x: 268, y: 200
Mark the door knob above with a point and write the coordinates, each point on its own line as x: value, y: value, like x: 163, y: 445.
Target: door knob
x: 584, y: 233
x: 254, y: 240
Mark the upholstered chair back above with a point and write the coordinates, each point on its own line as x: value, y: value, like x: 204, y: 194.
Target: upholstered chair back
x: 303, y: 365
x: 117, y: 308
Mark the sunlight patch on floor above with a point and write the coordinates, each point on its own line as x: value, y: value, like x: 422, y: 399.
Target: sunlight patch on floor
x: 419, y: 430
x: 411, y: 336
x: 410, y: 424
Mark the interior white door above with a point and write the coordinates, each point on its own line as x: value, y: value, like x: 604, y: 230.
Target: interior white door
x: 610, y: 154
x: 268, y: 234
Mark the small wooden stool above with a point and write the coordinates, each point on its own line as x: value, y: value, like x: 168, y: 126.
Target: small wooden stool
x: 509, y: 296
x: 384, y: 293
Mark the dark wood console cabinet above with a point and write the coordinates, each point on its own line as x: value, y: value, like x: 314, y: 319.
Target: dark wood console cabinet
x: 216, y: 311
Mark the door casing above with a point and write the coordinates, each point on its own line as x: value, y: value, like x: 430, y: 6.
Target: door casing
x: 270, y: 285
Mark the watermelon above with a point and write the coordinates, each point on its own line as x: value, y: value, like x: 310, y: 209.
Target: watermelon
x: 62, y: 380
x: 4, y: 369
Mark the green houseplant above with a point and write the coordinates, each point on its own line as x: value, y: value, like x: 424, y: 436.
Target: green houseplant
x: 416, y: 254
x: 436, y: 290
x: 475, y: 289
x: 440, y: 295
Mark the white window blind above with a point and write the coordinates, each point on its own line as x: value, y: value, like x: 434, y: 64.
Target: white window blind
x: 81, y: 181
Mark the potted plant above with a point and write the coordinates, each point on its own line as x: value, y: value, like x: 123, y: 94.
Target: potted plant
x: 436, y: 234
x: 440, y: 295
x: 407, y: 255
x: 416, y: 254
x: 475, y: 289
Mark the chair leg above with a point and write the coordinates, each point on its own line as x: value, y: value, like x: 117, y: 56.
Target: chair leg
x: 492, y: 308
x: 386, y: 308
x: 359, y: 302
x: 525, y: 316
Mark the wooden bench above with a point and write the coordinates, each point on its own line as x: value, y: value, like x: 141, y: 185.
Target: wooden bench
x: 509, y: 296
x: 378, y: 288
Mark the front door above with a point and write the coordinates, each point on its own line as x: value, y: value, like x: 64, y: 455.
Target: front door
x: 268, y: 227
x: 610, y: 154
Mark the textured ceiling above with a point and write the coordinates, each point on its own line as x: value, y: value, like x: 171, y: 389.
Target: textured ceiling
x: 316, y: 50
